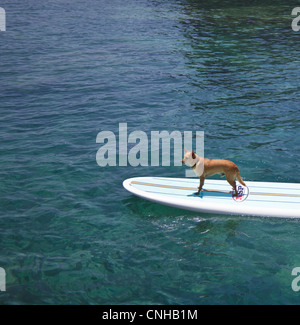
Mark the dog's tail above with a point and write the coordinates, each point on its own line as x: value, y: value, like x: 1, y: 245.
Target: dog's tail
x: 239, y: 178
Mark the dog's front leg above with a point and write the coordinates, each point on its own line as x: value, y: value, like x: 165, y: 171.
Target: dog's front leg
x: 201, y: 184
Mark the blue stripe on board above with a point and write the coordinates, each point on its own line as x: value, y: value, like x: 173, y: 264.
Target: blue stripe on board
x: 211, y: 190
x: 215, y: 181
x: 222, y: 198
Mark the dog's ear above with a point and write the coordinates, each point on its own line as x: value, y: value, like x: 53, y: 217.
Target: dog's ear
x: 185, y: 150
x: 193, y: 154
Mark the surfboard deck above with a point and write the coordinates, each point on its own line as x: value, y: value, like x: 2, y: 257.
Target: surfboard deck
x: 266, y: 199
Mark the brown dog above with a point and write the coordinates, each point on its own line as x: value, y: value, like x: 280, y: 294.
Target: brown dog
x: 207, y: 167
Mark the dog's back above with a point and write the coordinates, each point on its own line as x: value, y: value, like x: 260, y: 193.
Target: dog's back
x: 218, y: 166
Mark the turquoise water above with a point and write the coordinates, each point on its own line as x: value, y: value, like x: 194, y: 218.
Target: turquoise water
x: 69, y: 232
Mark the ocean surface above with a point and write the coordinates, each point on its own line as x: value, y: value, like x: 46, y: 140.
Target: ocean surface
x: 69, y: 232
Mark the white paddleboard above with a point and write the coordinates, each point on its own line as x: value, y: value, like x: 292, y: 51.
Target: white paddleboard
x: 268, y: 199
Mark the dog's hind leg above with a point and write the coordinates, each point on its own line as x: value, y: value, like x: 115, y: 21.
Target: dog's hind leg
x: 230, y: 179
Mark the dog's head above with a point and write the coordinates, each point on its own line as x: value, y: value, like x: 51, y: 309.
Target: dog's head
x: 189, y: 158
